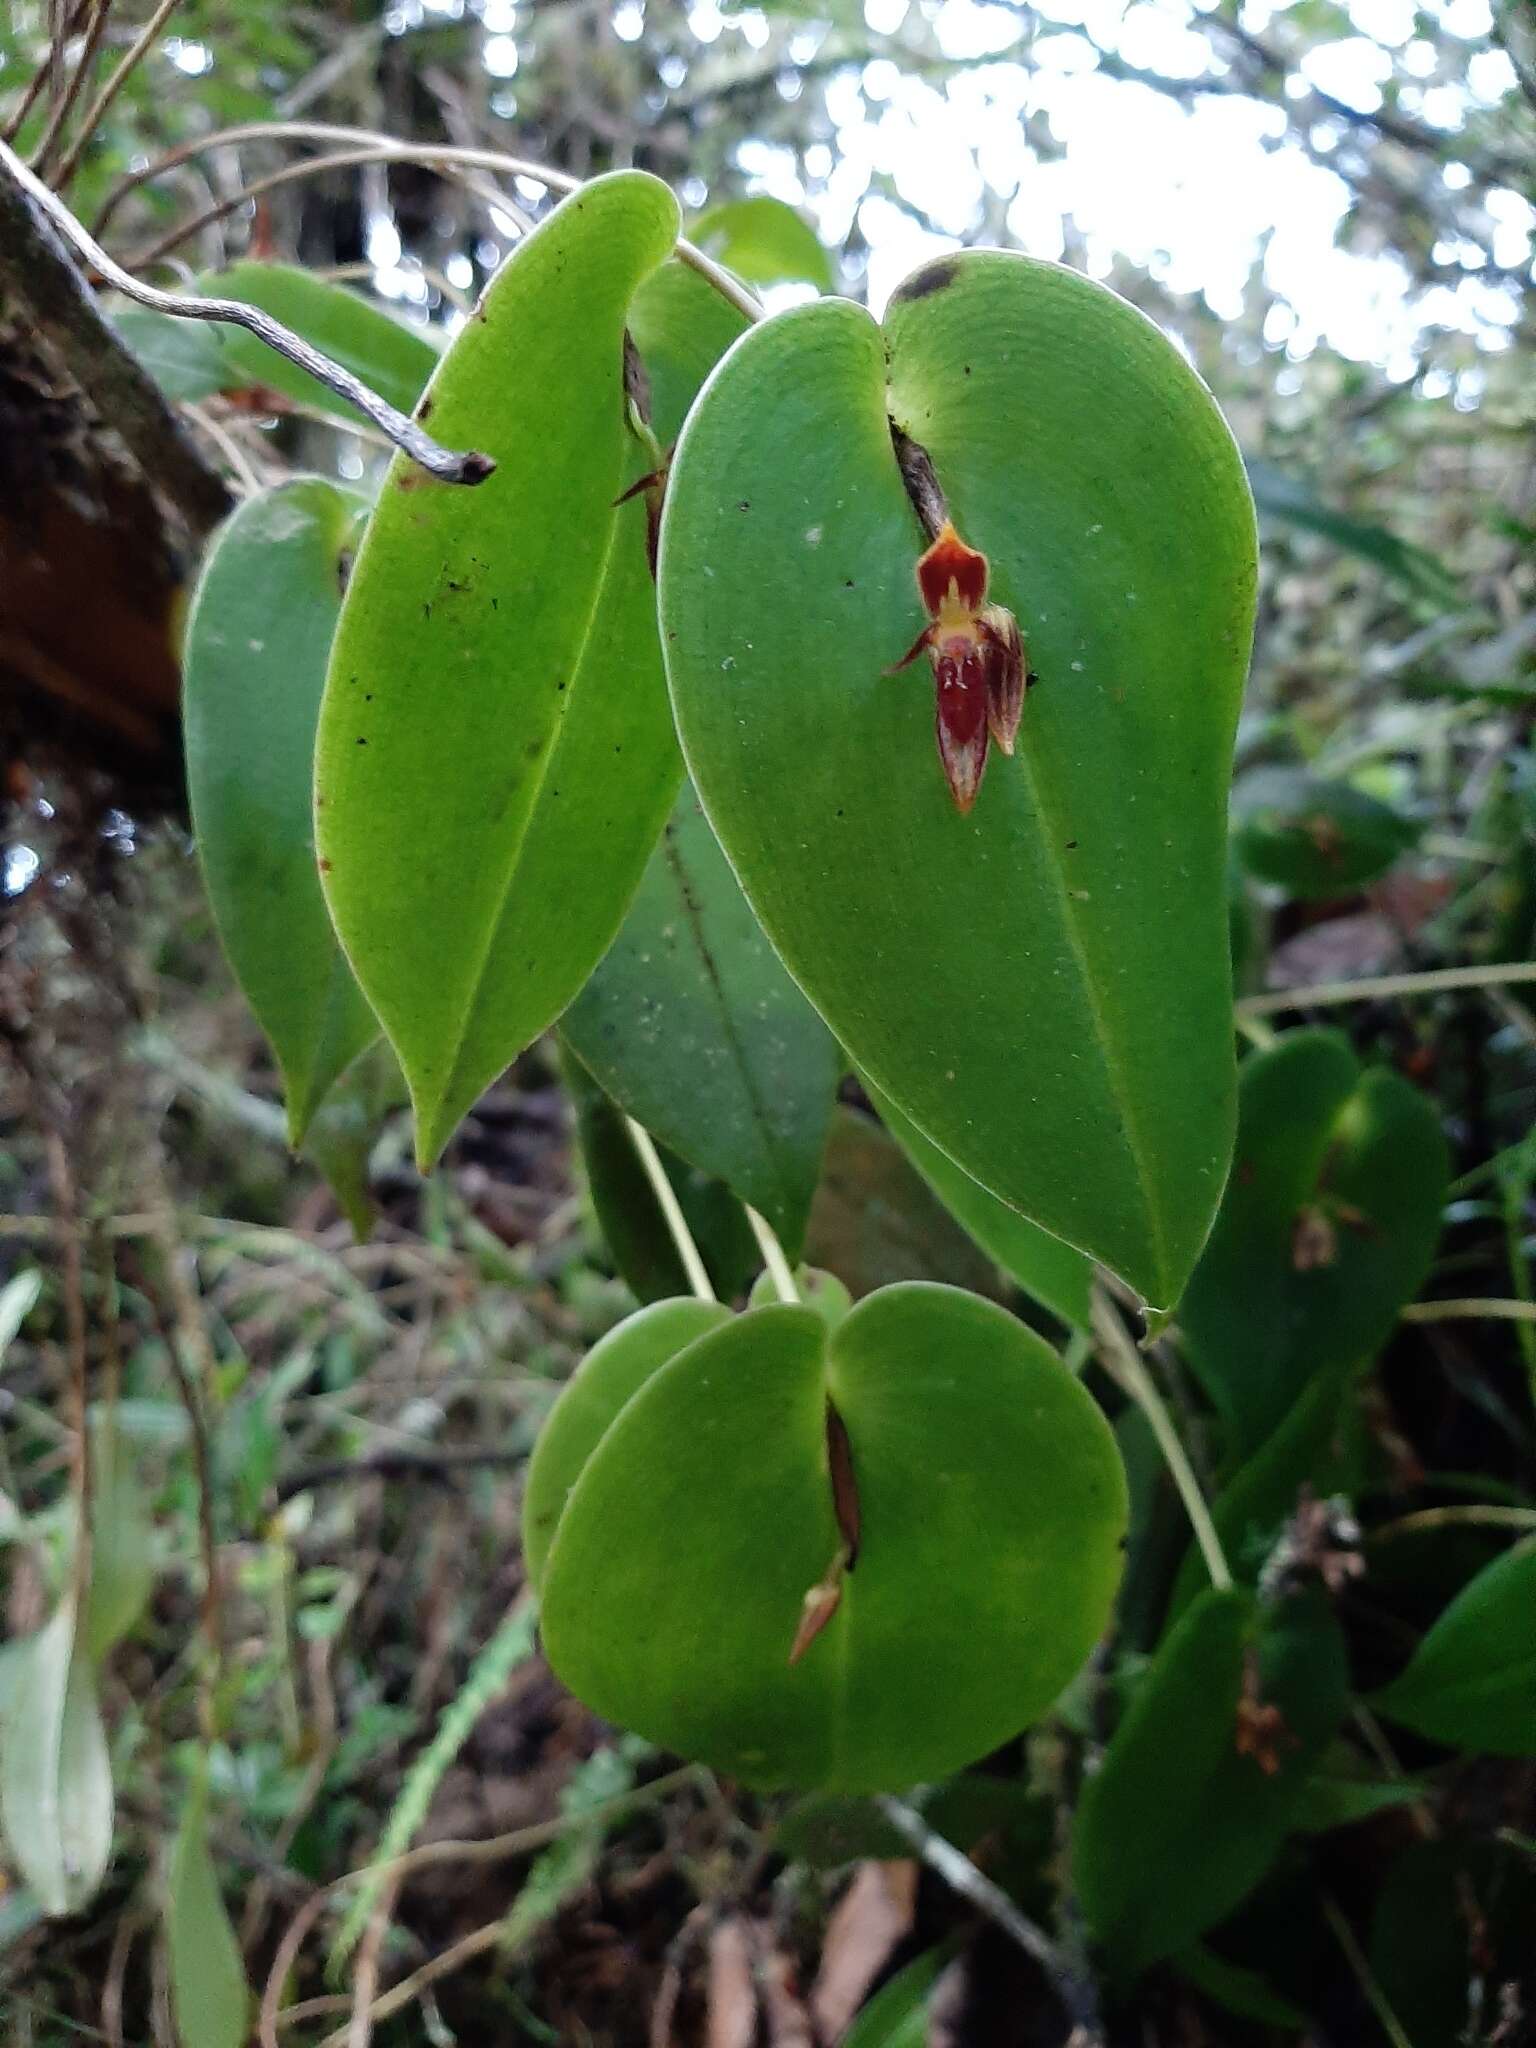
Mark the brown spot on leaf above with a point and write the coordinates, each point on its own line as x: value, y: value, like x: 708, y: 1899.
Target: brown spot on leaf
x: 933, y: 277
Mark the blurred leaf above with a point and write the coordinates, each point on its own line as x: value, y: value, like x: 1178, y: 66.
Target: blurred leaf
x: 1327, y: 1227
x: 897, y: 2015
x: 1281, y: 496
x: 122, y: 1532
x: 691, y: 1024
x: 209, y: 1993
x: 1240, y: 1991
x: 55, y: 1776
x: 1320, y: 1444
x: 1312, y: 838
x: 1472, y: 1681
x: 1331, y: 1802
x: 187, y: 358
x: 764, y: 241
x: 1198, y: 1787
x: 395, y: 360
x: 258, y: 641
x: 346, y: 1128
x: 1450, y: 1914
x: 18, y: 1298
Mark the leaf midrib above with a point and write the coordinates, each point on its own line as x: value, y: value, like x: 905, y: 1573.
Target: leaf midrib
x: 452, y: 1077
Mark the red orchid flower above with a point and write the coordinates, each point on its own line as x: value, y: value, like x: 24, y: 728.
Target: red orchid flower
x: 978, y: 662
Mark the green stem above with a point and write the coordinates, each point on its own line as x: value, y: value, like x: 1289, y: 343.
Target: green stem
x: 671, y: 1209
x: 773, y: 1258
x: 1124, y: 1364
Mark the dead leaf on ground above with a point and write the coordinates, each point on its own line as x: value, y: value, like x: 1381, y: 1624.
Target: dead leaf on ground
x: 873, y: 1915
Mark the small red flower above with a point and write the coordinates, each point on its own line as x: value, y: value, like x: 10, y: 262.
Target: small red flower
x: 978, y: 662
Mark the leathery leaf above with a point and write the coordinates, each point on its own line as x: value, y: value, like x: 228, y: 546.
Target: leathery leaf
x: 1041, y: 985
x: 495, y: 755
x: 923, y: 1481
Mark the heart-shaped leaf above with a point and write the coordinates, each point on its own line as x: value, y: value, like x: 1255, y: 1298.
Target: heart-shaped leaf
x: 1311, y: 837
x: 495, y: 755
x: 1201, y: 1781
x: 258, y: 641
x: 1328, y: 1226
x: 1472, y: 1681
x: 617, y: 1366
x: 1053, y: 1272
x: 924, y: 1480
x: 1042, y: 985
x: 692, y: 1025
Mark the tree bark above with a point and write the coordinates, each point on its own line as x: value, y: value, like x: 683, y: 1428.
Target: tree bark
x: 105, y: 503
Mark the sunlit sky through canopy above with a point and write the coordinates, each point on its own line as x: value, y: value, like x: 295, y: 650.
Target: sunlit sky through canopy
x: 1209, y: 190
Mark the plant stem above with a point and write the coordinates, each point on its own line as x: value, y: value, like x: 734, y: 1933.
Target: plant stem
x: 1472, y: 1514
x: 482, y: 159
x: 1470, y: 1309
x: 671, y: 1209
x: 1363, y: 1974
x: 1124, y: 1364
x: 1438, y: 979
x: 779, y: 1270
x: 447, y: 467
x: 131, y: 59
x: 962, y: 1876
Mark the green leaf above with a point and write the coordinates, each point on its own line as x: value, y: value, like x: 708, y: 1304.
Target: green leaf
x: 346, y: 1128
x: 258, y: 641
x: 682, y: 327
x: 1290, y: 499
x: 1041, y: 1264
x: 495, y: 756
x: 616, y: 1368
x: 18, y: 1298
x: 1328, y: 1226
x: 1472, y: 1681
x: 186, y: 358
x: 1241, y: 1991
x: 55, y: 1775
x: 897, y: 2015
x: 1042, y: 986
x: 1311, y: 837
x: 692, y: 1025
x: 875, y: 1219
x: 122, y: 1533
x: 764, y: 241
x: 991, y: 1505
x: 393, y: 359
x: 1319, y: 1445
x: 1331, y: 1802
x: 209, y: 1994
x: 1178, y: 1825
x: 629, y: 1216
x: 1451, y: 1915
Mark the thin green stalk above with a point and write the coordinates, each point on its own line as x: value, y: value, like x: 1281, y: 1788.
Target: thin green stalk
x: 671, y: 1209
x: 1125, y: 1365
